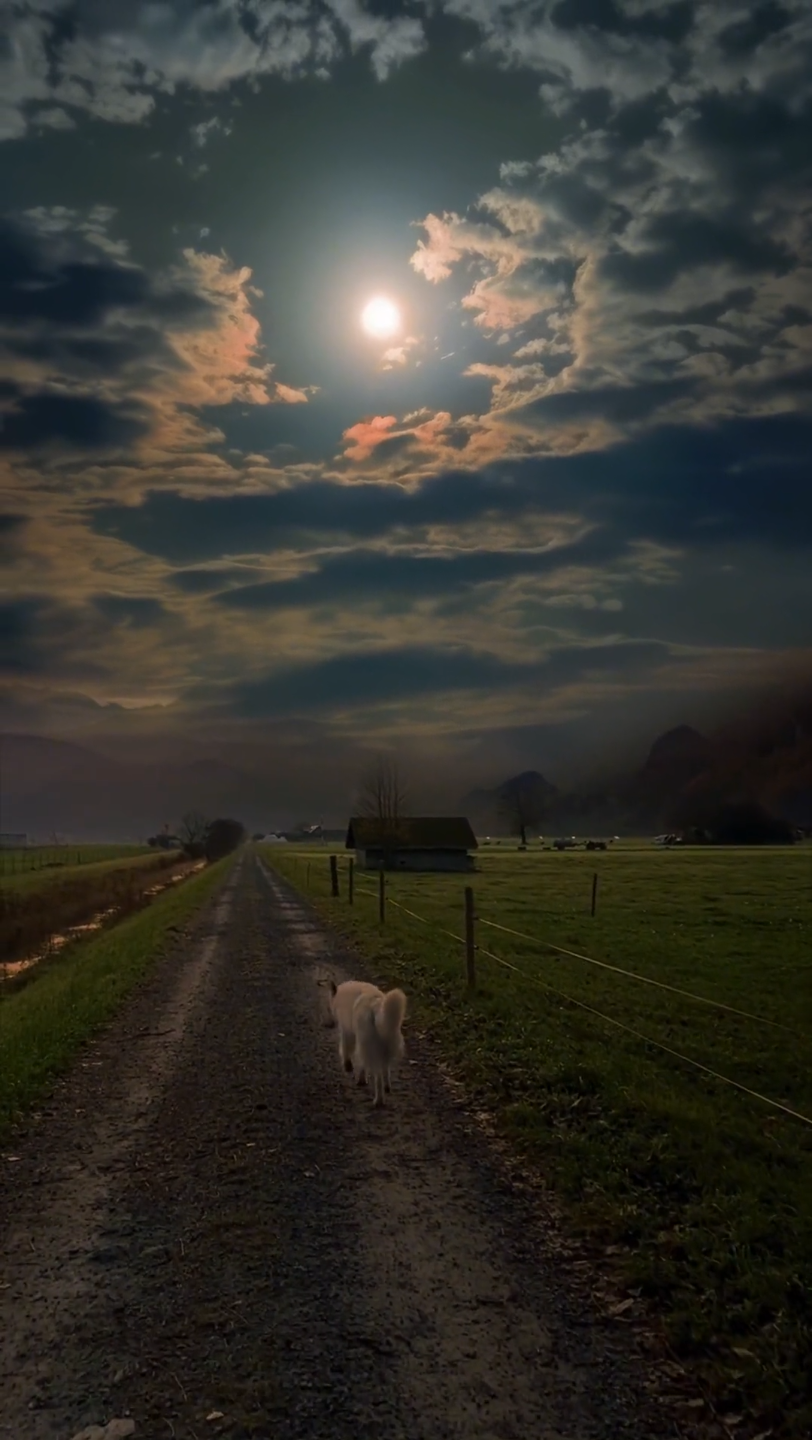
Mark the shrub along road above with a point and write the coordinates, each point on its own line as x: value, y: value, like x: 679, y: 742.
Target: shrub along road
x: 210, y: 1229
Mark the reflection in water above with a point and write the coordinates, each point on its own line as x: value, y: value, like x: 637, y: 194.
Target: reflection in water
x: 12, y: 968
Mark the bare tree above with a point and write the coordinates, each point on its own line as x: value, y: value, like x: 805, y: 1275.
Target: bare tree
x: 194, y: 828
x: 524, y: 802
x: 382, y: 797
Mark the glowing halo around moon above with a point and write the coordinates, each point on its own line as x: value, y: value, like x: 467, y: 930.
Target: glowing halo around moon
x: 380, y: 318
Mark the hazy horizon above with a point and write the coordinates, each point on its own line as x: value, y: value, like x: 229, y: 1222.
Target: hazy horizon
x: 153, y: 778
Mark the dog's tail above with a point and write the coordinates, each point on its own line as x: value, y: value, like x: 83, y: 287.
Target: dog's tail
x: 391, y: 1013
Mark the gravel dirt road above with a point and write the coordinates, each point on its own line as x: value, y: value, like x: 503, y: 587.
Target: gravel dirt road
x: 209, y: 1217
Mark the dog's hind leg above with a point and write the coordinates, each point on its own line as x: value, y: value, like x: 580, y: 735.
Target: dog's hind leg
x: 387, y: 1081
x: 362, y: 1076
x: 346, y: 1046
x: 377, y: 1097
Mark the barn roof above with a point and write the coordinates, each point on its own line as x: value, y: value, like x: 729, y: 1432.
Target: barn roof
x: 413, y: 832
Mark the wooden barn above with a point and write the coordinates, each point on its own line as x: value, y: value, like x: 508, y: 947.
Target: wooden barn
x: 412, y: 843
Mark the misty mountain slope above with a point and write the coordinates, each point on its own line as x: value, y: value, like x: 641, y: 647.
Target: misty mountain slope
x: 53, y: 785
x: 485, y: 808
x: 765, y: 757
x: 50, y: 785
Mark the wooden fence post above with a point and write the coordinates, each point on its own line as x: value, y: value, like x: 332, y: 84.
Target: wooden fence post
x: 350, y: 875
x: 333, y: 876
x: 382, y: 896
x: 594, y: 892
x: 470, y: 945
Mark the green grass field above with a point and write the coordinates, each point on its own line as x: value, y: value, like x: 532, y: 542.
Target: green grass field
x: 107, y: 862
x: 699, y: 1193
x: 48, y: 858
x: 36, y: 858
x: 44, y: 1025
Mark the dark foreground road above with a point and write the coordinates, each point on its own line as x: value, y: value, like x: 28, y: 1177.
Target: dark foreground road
x: 210, y: 1218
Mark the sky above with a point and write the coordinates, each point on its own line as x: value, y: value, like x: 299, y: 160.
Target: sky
x: 566, y: 502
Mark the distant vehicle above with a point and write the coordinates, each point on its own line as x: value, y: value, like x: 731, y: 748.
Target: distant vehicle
x: 565, y: 843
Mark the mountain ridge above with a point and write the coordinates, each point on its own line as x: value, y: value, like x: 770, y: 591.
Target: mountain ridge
x: 48, y: 784
x: 51, y: 785
x: 764, y: 759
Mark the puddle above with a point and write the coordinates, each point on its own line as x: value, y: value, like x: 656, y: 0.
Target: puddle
x: 12, y: 968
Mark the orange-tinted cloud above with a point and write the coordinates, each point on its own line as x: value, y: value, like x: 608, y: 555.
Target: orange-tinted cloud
x: 289, y: 396
x: 425, y: 442
x: 160, y: 347
x: 222, y: 360
x: 367, y: 435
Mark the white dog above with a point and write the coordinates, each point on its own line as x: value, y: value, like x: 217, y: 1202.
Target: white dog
x: 369, y: 1028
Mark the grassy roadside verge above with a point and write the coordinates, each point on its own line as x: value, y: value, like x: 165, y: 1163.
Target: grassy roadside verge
x: 29, y: 882
x: 16, y: 863
x: 44, y: 1025
x: 696, y: 1198
x: 31, y: 915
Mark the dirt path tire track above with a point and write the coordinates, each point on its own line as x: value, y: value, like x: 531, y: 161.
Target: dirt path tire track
x: 227, y: 1225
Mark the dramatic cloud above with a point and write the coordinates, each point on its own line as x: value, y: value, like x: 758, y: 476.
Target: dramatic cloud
x: 42, y: 637
x: 712, y: 485
x: 41, y: 419
x: 579, y: 477
x: 115, y: 60
x: 658, y: 261
x: 101, y: 354
x: 409, y: 674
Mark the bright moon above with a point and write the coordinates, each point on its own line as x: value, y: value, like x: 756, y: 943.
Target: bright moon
x: 380, y: 317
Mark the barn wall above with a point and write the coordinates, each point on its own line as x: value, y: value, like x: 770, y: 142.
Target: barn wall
x: 443, y: 860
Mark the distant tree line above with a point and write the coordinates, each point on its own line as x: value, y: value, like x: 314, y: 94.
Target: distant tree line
x: 222, y: 837
x: 201, y: 839
x: 738, y: 822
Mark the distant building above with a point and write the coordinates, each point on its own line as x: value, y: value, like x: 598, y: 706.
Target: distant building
x: 415, y: 843
x: 9, y: 841
x: 307, y: 834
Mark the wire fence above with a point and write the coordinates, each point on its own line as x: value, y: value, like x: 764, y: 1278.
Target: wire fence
x: 26, y: 860
x: 472, y: 949
x: 633, y: 975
